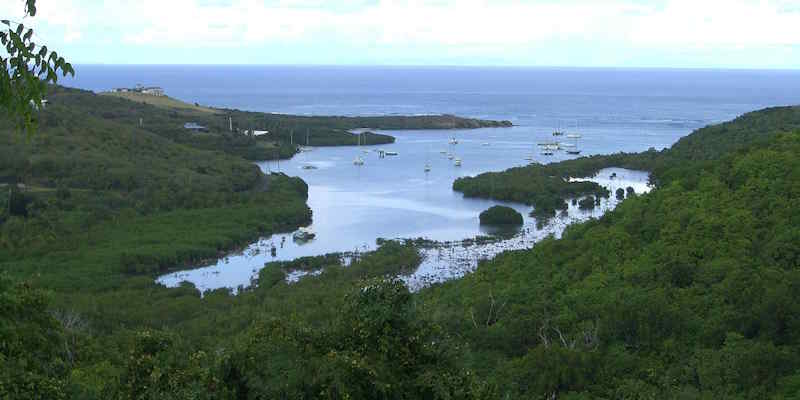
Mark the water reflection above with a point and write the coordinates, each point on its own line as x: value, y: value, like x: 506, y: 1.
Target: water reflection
x: 393, y: 197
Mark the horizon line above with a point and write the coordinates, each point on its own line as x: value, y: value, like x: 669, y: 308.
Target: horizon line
x: 443, y: 66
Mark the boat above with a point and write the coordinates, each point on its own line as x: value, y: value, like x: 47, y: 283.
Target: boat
x: 303, y: 234
x: 558, y: 132
x: 358, y: 160
x: 453, y: 140
x: 309, y: 166
x: 391, y: 153
x: 443, y: 152
x: 449, y: 156
x: 573, y: 148
x: 485, y: 144
x: 427, y: 167
x: 457, y: 162
x: 547, y: 152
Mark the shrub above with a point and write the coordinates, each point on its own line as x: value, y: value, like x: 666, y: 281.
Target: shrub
x: 501, y: 215
x: 587, y: 203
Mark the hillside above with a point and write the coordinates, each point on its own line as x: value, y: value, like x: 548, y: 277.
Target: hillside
x: 687, y: 292
x: 162, y: 102
x: 167, y: 116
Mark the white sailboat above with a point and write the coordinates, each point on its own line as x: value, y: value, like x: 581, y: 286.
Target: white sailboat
x: 574, y: 150
x: 558, y: 132
x: 358, y: 161
x: 457, y: 162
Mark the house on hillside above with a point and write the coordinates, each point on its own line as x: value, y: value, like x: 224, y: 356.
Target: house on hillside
x: 193, y: 126
x: 153, y: 91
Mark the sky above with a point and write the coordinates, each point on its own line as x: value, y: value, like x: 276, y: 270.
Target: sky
x: 579, y: 33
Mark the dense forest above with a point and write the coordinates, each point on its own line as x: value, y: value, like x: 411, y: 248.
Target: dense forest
x: 686, y: 292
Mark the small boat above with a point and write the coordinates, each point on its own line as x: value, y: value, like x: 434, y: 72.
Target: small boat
x: 391, y: 153
x: 309, y: 166
x: 485, y: 144
x: 427, y: 167
x: 449, y: 156
x: 443, y: 152
x: 304, y: 234
x: 365, y: 151
x: 547, y: 152
x: 453, y: 140
x: 558, y: 133
x: 457, y: 162
x: 573, y: 148
x: 358, y: 161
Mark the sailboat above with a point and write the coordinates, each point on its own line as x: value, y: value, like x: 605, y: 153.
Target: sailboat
x: 365, y: 142
x: 427, y: 160
x: 558, y: 132
x: 574, y: 149
x: 453, y: 140
x: 358, y: 160
x: 306, y: 148
x: 457, y: 162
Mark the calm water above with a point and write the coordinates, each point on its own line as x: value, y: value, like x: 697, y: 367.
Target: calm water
x: 615, y: 110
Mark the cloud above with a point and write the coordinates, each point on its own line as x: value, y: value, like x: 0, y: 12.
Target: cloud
x: 460, y: 27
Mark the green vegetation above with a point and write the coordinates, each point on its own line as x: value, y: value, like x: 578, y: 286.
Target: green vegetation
x: 25, y: 70
x: 543, y: 186
x: 587, y: 203
x: 162, y: 102
x: 546, y: 186
x: 500, y: 215
x: 686, y: 292
x: 168, y: 115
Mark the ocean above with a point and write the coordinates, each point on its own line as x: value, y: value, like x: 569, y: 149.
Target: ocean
x: 613, y: 109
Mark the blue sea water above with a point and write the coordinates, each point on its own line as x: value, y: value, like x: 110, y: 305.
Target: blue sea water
x: 614, y: 109
x: 642, y: 107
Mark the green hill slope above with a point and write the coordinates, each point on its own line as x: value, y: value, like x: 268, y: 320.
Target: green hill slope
x: 687, y: 292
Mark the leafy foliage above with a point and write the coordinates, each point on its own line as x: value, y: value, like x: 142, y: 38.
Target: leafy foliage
x: 686, y: 291
x: 25, y: 71
x: 500, y: 215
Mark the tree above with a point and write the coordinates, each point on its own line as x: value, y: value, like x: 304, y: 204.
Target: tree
x: 25, y: 71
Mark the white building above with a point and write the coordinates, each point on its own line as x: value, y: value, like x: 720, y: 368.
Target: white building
x: 153, y: 90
